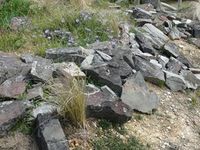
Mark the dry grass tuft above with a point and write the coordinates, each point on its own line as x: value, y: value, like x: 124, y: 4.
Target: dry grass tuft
x: 70, y: 99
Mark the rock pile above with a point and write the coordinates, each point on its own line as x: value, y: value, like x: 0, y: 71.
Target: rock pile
x: 120, y: 67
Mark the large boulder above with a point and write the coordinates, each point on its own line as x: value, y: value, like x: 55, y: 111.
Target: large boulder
x: 174, y: 65
x: 10, y: 113
x: 103, y: 103
x: 136, y: 95
x: 50, y: 135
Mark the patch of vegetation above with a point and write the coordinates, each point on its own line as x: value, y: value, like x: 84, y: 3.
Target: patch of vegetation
x: 24, y: 125
x: 111, y: 141
x: 13, y: 8
x: 11, y: 41
x: 70, y: 99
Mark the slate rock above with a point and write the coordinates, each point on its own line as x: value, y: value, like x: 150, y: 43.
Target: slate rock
x: 71, y: 54
x: 106, y: 76
x: 150, y: 71
x: 174, y: 82
x: 196, y: 30
x: 157, y: 37
x: 103, y: 103
x: 12, y: 88
x: 184, y: 60
x: 12, y: 66
x: 120, y: 66
x: 41, y: 69
x: 105, y: 47
x: 175, y: 34
x: 195, y: 41
x: 10, y: 113
x: 174, y: 65
x: 50, y: 135
x: 141, y: 13
x: 191, y: 81
x: 163, y: 60
x: 44, y: 108
x: 171, y: 49
x: 68, y: 70
x: 145, y: 43
x: 137, y: 96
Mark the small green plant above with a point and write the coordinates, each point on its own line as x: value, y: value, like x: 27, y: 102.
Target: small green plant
x: 194, y: 101
x: 70, y: 99
x: 13, y: 8
x: 24, y: 125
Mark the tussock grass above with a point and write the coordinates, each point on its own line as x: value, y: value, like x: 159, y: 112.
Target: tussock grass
x: 70, y: 99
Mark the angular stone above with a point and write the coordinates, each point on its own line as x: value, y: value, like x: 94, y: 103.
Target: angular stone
x: 34, y: 93
x: 141, y: 13
x: 184, y: 60
x: 195, y: 41
x: 150, y: 71
x: 107, y: 76
x: 174, y: 82
x: 11, y: 66
x: 137, y: 96
x: 195, y: 70
x: 145, y: 43
x: 12, y: 88
x: 105, y: 47
x: 174, y: 65
x: 196, y: 30
x: 68, y: 70
x: 103, y: 103
x: 50, y: 135
x: 43, y: 109
x: 41, y: 69
x: 119, y: 65
x: 104, y: 56
x: 10, y: 113
x: 157, y: 37
x: 171, y: 49
x: 71, y: 54
x: 163, y: 60
x: 174, y: 34
x: 191, y: 81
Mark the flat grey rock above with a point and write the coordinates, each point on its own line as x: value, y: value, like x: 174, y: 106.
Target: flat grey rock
x: 175, y: 82
x: 137, y: 96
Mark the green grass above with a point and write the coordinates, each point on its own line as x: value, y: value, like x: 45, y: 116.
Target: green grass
x: 13, y: 8
x: 11, y: 41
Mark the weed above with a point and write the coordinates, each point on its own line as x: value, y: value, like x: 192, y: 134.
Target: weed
x: 138, y: 117
x: 194, y: 101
